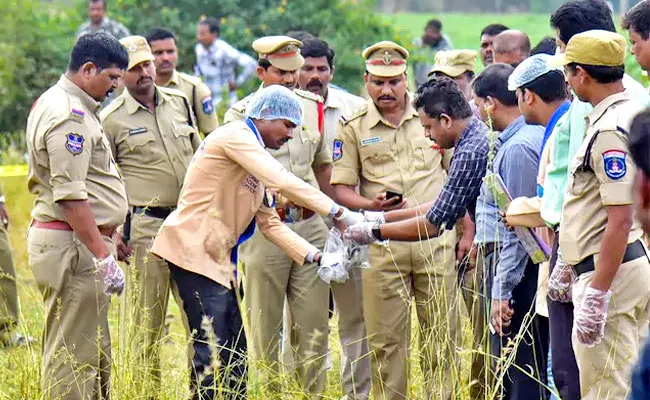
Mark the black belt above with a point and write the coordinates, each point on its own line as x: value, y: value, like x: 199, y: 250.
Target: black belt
x: 489, y: 248
x: 632, y: 252
x: 154, y: 212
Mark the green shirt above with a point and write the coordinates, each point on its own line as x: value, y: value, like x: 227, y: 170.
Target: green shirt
x: 566, y: 140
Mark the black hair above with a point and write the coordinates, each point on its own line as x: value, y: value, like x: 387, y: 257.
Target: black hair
x: 545, y: 46
x: 159, y: 34
x: 494, y: 29
x: 601, y: 73
x: 493, y: 82
x: 212, y: 24
x: 639, y: 141
x: 99, y: 48
x: 318, y: 48
x: 434, y: 24
x: 264, y: 63
x: 549, y: 87
x: 579, y: 16
x: 441, y: 95
x: 638, y: 19
x: 98, y: 1
x: 300, y: 35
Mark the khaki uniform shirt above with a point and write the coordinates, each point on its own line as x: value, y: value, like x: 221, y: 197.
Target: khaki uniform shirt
x: 606, y: 179
x: 307, y: 150
x: 228, y: 183
x: 200, y: 99
x: 338, y: 104
x: 70, y: 157
x: 380, y: 156
x: 152, y: 148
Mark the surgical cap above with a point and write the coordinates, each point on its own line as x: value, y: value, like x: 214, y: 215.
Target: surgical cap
x: 530, y: 69
x: 276, y: 102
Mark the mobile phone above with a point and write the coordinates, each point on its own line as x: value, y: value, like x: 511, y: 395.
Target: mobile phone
x: 390, y: 194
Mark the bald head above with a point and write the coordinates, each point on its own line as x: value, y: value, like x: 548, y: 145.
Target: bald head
x: 511, y: 47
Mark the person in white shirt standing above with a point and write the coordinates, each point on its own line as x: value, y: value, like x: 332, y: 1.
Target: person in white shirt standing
x: 217, y: 62
x: 315, y: 76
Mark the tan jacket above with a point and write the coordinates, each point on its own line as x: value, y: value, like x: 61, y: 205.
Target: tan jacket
x: 230, y: 176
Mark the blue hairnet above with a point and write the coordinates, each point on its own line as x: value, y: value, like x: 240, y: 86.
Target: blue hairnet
x: 276, y: 102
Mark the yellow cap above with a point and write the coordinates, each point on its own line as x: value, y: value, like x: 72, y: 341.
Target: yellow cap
x: 138, y: 48
x: 454, y: 62
x: 595, y: 47
x: 283, y: 52
x: 385, y: 59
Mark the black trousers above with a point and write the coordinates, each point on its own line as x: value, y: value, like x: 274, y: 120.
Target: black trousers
x: 563, y: 360
x: 532, y: 350
x: 216, y: 325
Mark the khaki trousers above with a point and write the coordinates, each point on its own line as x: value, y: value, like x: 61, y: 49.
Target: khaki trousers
x: 425, y: 271
x: 8, y: 292
x: 76, y: 337
x: 271, y: 276
x: 605, y: 369
x: 355, y: 357
x: 148, y: 283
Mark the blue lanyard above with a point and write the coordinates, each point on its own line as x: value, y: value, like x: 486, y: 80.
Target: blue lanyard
x: 253, y: 128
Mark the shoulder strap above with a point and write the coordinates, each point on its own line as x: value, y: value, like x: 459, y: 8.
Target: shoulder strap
x: 586, y: 162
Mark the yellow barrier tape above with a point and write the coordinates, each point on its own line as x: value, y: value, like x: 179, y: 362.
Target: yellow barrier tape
x: 13, y: 170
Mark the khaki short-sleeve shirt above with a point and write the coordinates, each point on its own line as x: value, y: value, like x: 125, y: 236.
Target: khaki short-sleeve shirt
x: 70, y: 157
x: 152, y: 147
x: 200, y: 99
x: 370, y: 151
x: 601, y: 175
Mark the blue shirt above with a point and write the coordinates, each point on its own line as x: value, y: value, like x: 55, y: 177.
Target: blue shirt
x: 517, y: 162
x: 464, y: 178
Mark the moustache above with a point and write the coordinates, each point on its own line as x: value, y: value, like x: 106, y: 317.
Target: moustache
x: 166, y: 64
x: 315, y: 83
x: 389, y: 98
x: 145, y: 79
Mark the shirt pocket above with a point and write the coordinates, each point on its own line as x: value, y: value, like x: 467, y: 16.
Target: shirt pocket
x: 579, y: 178
x: 183, y: 135
x: 139, y: 140
x: 376, y: 160
x: 426, y: 157
x: 302, y: 150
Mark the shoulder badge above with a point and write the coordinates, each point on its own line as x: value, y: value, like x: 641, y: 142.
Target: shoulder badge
x: 74, y: 143
x: 337, y: 151
x: 206, y: 103
x: 614, y: 164
x: 360, y: 112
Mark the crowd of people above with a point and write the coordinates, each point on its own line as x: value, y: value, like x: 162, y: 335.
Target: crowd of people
x: 516, y: 197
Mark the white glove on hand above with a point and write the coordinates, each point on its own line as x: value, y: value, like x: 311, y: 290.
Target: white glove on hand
x: 374, y: 216
x: 591, y: 315
x: 360, y: 233
x: 349, y: 218
x: 113, y: 275
x: 560, y: 282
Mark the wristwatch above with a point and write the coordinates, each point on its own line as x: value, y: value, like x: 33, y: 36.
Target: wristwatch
x: 376, y: 231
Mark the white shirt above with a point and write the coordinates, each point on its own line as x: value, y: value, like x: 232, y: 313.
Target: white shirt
x: 339, y: 103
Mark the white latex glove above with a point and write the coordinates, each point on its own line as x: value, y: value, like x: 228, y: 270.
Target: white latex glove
x: 113, y: 275
x: 360, y: 233
x: 560, y: 282
x: 349, y: 218
x: 591, y: 315
x: 374, y: 216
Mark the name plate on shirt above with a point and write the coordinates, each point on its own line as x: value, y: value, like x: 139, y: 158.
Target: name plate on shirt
x: 372, y: 140
x: 136, y: 131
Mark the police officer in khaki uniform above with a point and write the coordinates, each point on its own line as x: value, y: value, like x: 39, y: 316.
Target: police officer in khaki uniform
x: 382, y: 146
x: 80, y: 200
x: 458, y: 65
x: 271, y: 276
x: 163, y: 47
x: 599, y: 236
x: 152, y: 133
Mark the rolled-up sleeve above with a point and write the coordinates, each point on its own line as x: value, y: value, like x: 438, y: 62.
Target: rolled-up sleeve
x: 69, y: 149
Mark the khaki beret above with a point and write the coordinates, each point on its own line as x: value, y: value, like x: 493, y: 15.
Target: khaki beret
x: 385, y: 59
x: 138, y: 49
x: 595, y: 47
x: 283, y: 52
x: 454, y: 62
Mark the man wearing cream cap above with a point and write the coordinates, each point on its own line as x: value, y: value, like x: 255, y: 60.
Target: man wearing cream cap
x: 459, y: 65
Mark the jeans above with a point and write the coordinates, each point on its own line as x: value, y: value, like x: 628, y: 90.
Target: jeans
x: 216, y: 325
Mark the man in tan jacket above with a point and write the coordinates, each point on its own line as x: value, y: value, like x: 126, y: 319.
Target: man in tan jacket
x: 231, y: 180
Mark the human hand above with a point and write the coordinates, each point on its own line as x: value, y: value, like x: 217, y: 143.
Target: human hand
x: 560, y: 282
x: 380, y: 203
x: 113, y: 276
x: 349, y: 218
x: 360, y: 233
x: 123, y: 251
x: 591, y: 315
x: 504, y: 219
x: 501, y: 315
x: 374, y: 216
